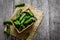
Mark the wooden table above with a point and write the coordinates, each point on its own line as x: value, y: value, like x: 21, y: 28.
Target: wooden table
x: 50, y: 26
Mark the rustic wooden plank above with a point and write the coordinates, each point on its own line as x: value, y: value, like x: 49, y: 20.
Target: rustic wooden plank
x: 2, y: 36
x: 7, y: 12
x: 54, y: 19
x: 43, y: 30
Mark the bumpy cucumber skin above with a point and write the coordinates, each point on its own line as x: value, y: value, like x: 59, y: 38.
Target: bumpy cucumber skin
x: 17, y: 23
x: 30, y: 20
x: 19, y: 12
x: 23, y: 21
x: 29, y: 12
x: 8, y: 29
x: 22, y: 16
x: 16, y: 18
x: 22, y: 27
x: 18, y: 15
x: 33, y: 19
x: 22, y: 24
x: 27, y: 17
x: 7, y: 22
x: 20, y: 5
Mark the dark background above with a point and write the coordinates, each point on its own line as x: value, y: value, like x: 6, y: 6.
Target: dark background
x: 50, y: 26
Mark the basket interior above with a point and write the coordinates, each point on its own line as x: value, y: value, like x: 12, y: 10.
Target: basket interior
x: 20, y: 31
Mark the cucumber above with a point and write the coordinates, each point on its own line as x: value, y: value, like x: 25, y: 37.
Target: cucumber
x: 16, y: 18
x: 8, y: 29
x: 29, y: 12
x: 26, y: 13
x: 33, y: 19
x: 22, y: 16
x: 19, y: 12
x: 22, y: 27
x: 18, y: 15
x: 27, y: 17
x: 7, y: 22
x: 17, y: 23
x: 22, y: 21
x: 20, y: 5
x: 28, y: 21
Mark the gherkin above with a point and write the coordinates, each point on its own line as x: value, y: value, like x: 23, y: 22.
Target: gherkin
x: 7, y: 22
x: 20, y: 5
x: 29, y: 12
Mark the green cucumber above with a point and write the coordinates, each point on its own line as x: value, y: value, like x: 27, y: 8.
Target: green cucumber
x: 17, y: 23
x: 22, y: 16
x: 28, y: 21
x: 22, y: 27
x: 7, y: 22
x: 19, y: 12
x: 27, y: 17
x: 22, y: 21
x: 33, y: 19
x: 29, y: 12
x: 8, y: 29
x: 20, y: 5
x: 16, y: 18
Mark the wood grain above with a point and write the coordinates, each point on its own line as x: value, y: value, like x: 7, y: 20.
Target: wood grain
x: 49, y: 28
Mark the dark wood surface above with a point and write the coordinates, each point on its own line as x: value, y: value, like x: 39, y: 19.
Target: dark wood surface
x: 50, y: 26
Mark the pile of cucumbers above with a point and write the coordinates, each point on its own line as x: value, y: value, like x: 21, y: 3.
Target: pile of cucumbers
x: 23, y: 19
x: 7, y: 24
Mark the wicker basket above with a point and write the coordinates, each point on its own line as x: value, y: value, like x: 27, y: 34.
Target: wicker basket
x: 20, y: 31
